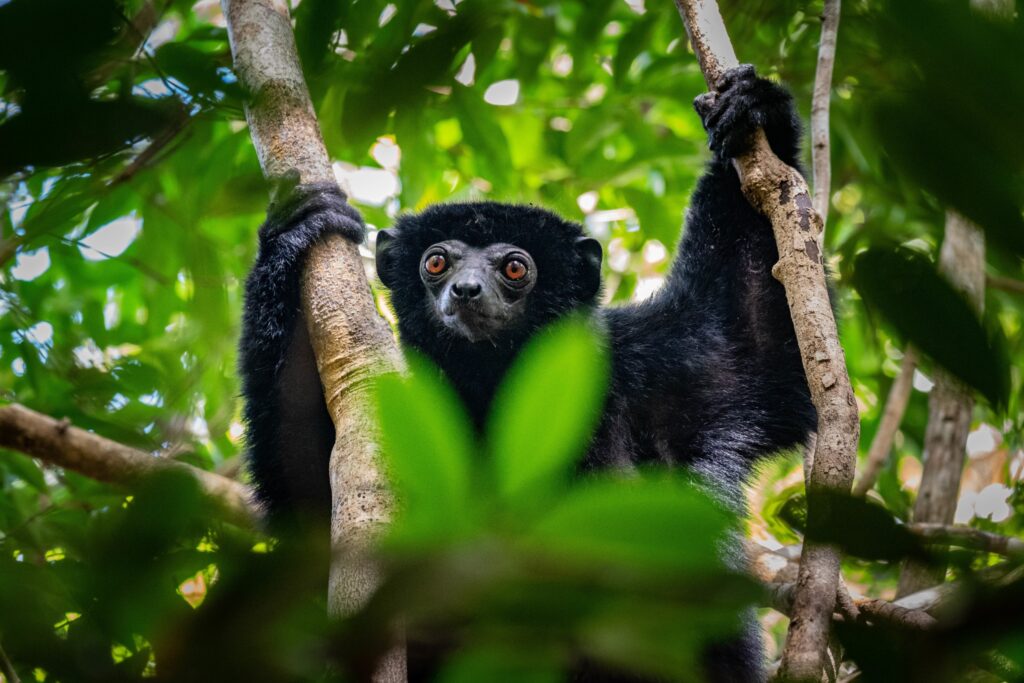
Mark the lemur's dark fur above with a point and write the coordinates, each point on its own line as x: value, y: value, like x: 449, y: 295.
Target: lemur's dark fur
x: 706, y: 373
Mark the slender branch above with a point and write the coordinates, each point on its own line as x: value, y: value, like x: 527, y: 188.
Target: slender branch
x: 782, y: 195
x: 9, y: 247
x: 967, y: 537
x: 352, y: 343
x: 58, y: 443
x: 158, y: 144
x: 846, y: 606
x: 892, y: 613
x: 950, y: 405
x: 772, y: 566
x: 136, y: 31
x: 7, y: 669
x: 892, y: 416
x: 1007, y: 284
x: 820, y: 152
x: 782, y: 596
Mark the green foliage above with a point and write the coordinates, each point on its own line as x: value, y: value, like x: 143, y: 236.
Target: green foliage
x: 933, y: 316
x: 596, y: 569
x: 546, y: 410
x: 430, y: 444
x: 130, y: 197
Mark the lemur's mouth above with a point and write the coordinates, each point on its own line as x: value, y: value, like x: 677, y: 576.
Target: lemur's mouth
x: 471, y: 323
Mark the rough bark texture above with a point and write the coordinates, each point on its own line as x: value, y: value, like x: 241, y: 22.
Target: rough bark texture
x: 58, y: 443
x: 962, y: 261
x: 710, y: 40
x: 821, y: 161
x: 781, y: 193
x: 890, y: 612
x: 351, y: 341
x: 892, y: 416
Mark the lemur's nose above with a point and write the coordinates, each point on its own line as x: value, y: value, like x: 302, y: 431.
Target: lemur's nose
x: 466, y: 289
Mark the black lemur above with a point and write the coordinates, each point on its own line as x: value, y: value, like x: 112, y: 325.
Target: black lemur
x: 705, y: 374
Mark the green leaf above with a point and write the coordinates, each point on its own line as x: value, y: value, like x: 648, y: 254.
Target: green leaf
x: 663, y: 524
x: 198, y: 70
x: 491, y: 663
x: 25, y: 468
x: 666, y: 641
x: 532, y: 42
x: 631, y: 45
x: 428, y: 443
x: 546, y: 408
x: 860, y: 527
x: 914, y: 298
x: 315, y: 24
x: 481, y: 131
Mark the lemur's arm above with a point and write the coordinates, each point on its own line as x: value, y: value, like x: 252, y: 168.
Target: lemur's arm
x: 722, y: 228
x: 723, y: 269
x: 289, y: 431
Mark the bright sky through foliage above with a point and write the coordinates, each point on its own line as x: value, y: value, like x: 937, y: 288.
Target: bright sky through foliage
x: 502, y: 93
x: 112, y: 239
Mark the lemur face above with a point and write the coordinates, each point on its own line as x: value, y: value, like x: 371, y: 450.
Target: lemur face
x: 477, y: 292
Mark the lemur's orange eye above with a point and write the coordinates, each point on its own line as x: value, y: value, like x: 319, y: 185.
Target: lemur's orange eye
x: 436, y: 263
x: 515, y: 269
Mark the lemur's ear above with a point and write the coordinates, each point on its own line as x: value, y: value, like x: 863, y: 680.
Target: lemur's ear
x: 385, y: 259
x: 590, y: 253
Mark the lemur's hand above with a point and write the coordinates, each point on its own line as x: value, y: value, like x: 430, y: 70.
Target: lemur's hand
x: 740, y: 104
x: 314, y: 209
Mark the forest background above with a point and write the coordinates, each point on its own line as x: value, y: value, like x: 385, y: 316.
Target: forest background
x: 131, y: 193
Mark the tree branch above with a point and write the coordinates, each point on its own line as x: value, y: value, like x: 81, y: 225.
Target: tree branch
x: 58, y: 443
x: 892, y: 613
x: 781, y: 194
x: 892, y: 416
x: 821, y: 161
x: 967, y: 537
x: 782, y: 596
x: 7, y: 669
x: 352, y: 343
x: 1007, y: 284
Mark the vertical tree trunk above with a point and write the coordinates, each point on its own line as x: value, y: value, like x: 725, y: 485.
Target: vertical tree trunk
x: 782, y: 195
x: 351, y: 342
x: 962, y: 261
x: 821, y: 161
x: 821, y: 152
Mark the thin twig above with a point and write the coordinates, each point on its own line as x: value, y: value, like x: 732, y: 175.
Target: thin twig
x: 159, y: 142
x: 7, y: 669
x: 820, y: 152
x: 892, y: 416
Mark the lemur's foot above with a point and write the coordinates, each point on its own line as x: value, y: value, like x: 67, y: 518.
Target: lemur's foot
x: 318, y: 208
x: 740, y: 104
